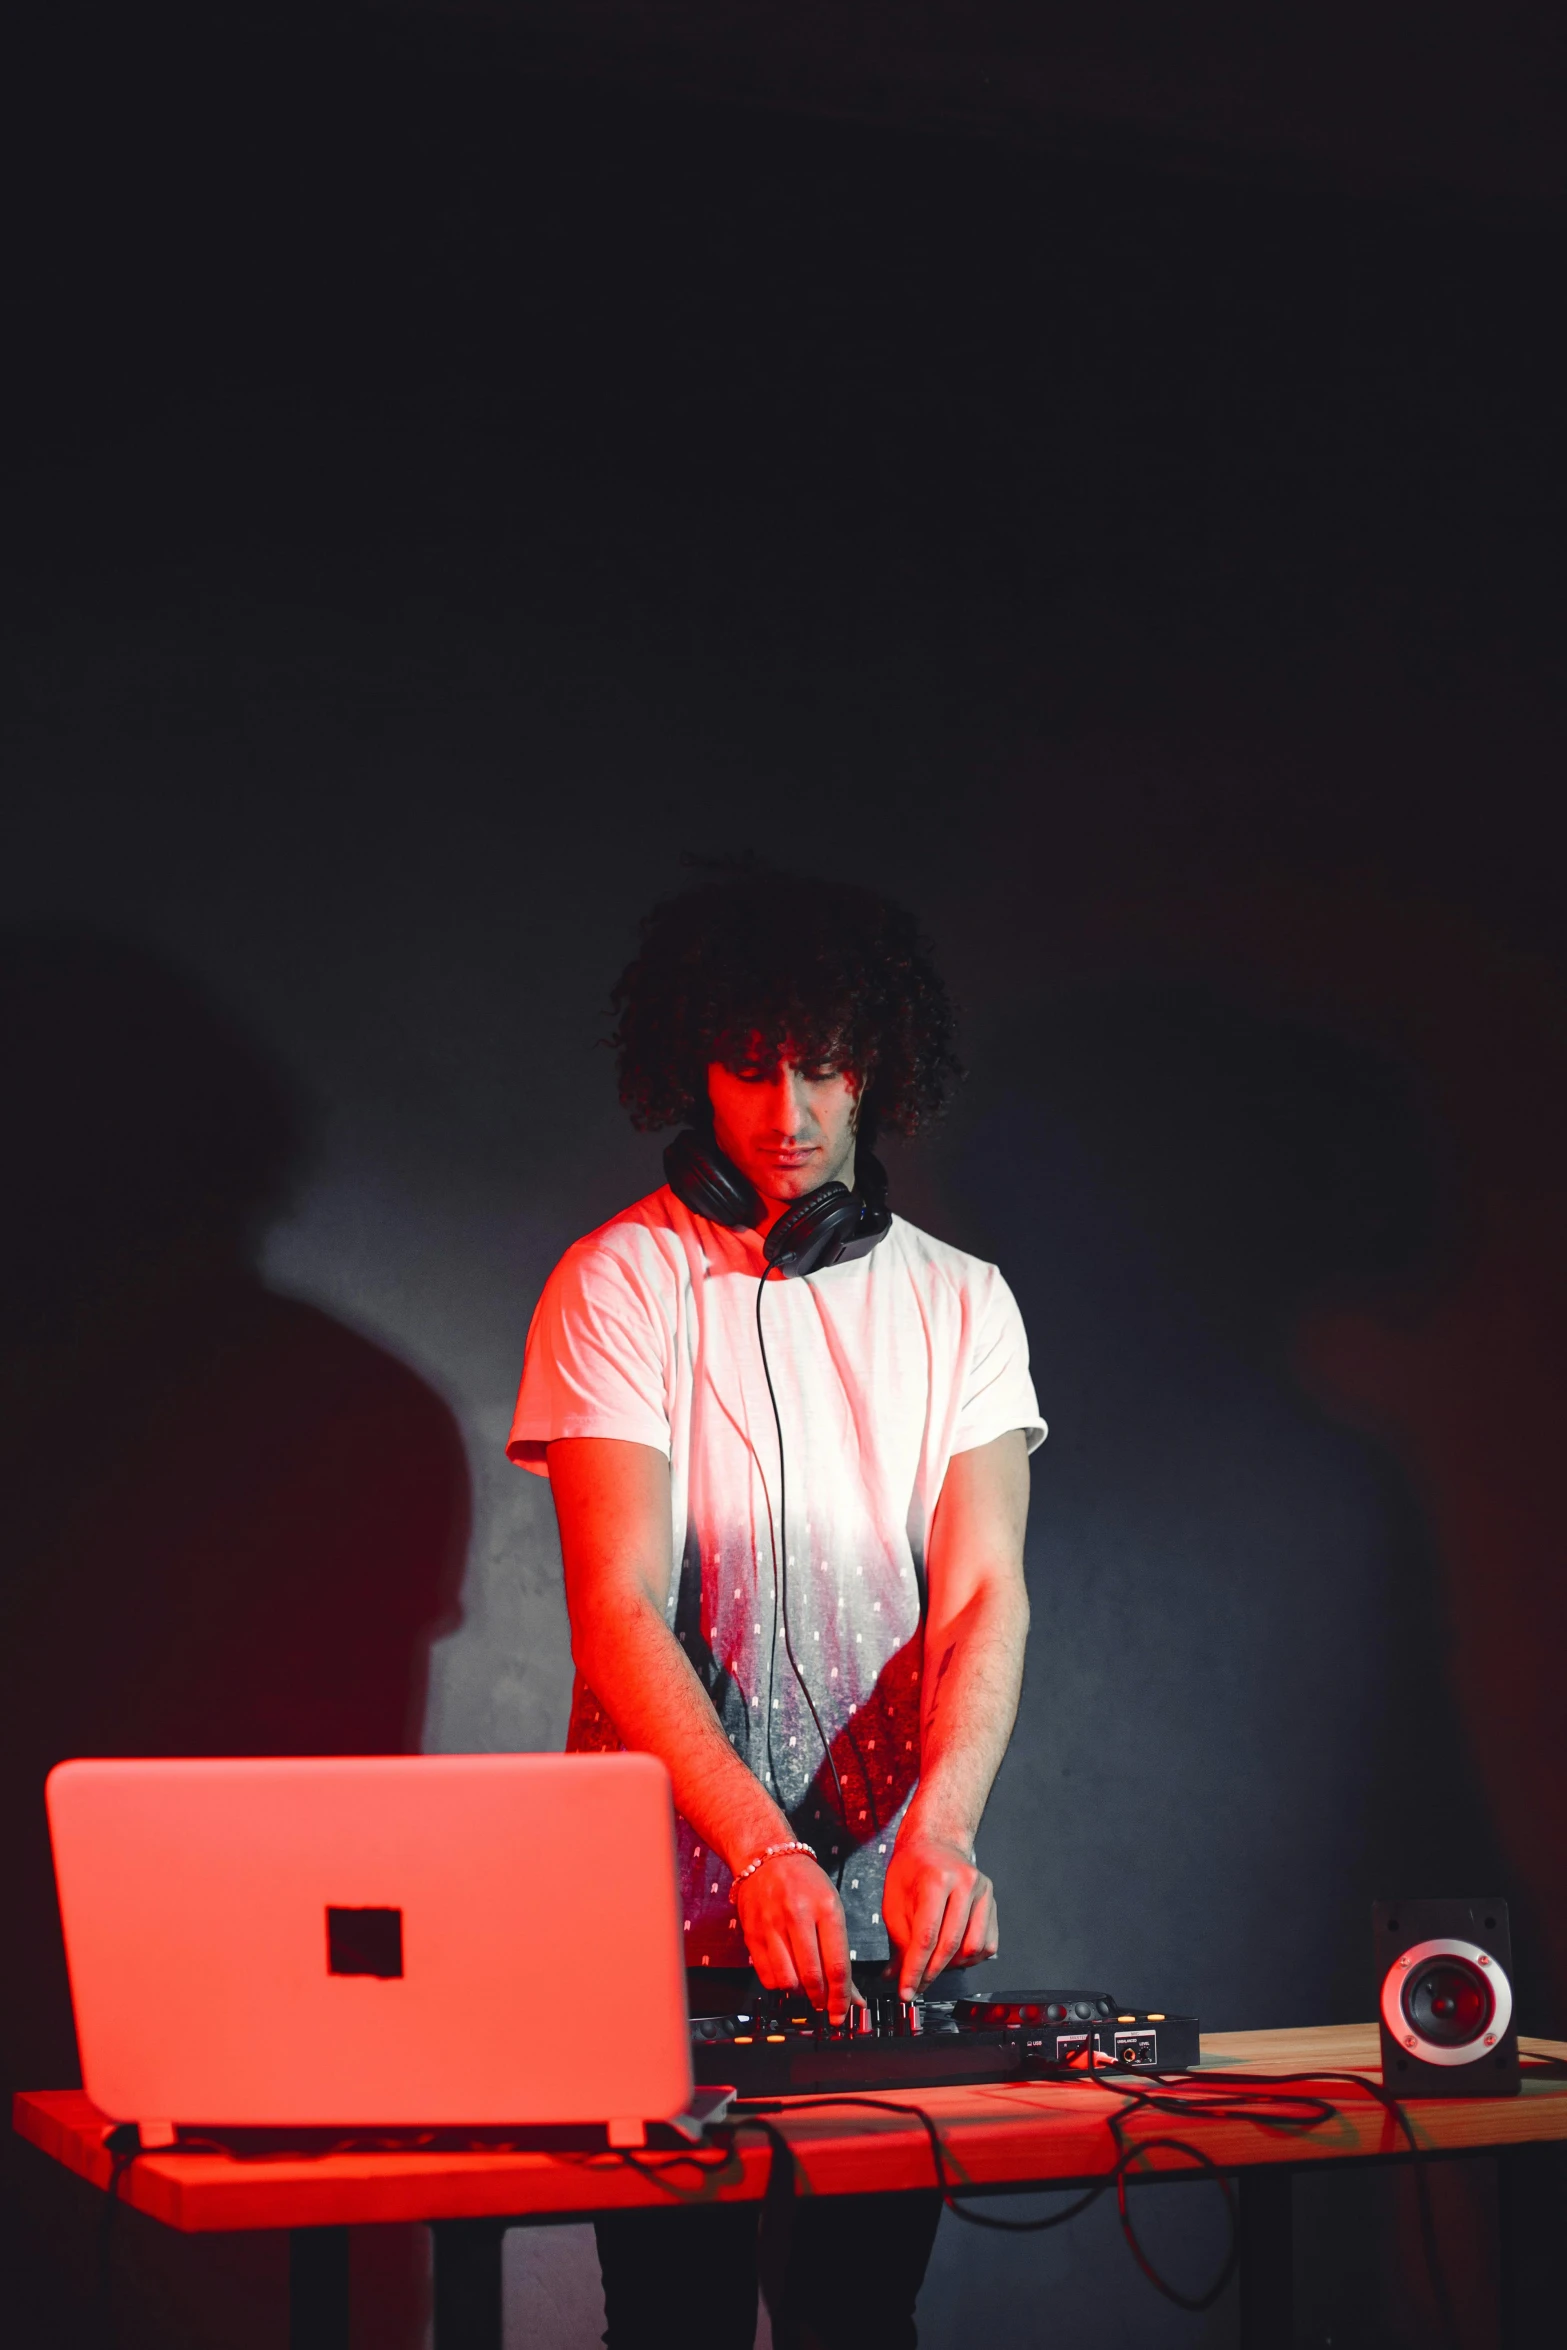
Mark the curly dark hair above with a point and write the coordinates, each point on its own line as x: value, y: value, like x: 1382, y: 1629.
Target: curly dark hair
x: 752, y: 960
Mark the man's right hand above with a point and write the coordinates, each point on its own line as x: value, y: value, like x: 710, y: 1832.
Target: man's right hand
x: 792, y: 1920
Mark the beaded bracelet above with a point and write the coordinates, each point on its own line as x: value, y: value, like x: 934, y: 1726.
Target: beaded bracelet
x: 772, y: 1852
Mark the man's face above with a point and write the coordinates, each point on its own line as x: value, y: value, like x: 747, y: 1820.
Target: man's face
x: 788, y: 1128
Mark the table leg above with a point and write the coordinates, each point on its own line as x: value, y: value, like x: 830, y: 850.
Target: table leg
x: 468, y: 2283
x: 1532, y: 2200
x: 318, y: 2289
x: 1267, y: 2246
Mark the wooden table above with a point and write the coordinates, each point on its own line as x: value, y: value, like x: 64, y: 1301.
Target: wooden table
x: 1039, y: 2135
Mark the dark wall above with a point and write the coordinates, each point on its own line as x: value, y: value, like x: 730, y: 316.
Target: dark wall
x: 441, y: 501
x: 1456, y: 103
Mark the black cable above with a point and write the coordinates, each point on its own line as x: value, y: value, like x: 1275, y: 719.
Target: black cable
x: 1232, y: 2255
x: 1170, y: 2101
x: 1254, y: 2097
x: 780, y: 1542
x: 656, y: 2167
x: 772, y: 1542
x: 927, y: 2122
x: 123, y: 2144
x: 1126, y: 2156
x: 1383, y: 2096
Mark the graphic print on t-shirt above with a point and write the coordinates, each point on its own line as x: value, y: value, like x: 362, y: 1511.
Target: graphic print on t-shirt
x: 884, y: 1367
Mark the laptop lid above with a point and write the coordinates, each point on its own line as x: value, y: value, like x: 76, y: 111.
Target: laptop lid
x: 436, y: 1940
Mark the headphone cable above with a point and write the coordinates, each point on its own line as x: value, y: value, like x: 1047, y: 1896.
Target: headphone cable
x: 781, y: 1606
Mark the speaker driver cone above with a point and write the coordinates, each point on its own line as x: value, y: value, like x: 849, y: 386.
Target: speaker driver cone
x: 1447, y: 2001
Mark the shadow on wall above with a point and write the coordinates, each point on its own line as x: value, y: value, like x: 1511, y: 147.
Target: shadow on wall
x: 232, y: 1525
x: 1244, y: 1715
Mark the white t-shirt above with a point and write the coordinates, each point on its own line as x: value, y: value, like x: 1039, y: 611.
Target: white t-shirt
x: 883, y: 1367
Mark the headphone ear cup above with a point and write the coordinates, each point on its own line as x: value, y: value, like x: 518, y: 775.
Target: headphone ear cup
x: 816, y: 1230
x: 833, y: 1224
x: 703, y: 1179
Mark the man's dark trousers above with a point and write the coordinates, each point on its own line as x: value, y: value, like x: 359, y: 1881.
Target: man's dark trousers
x: 686, y: 2279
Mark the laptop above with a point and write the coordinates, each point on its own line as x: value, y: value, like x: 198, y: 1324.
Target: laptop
x: 408, y: 1941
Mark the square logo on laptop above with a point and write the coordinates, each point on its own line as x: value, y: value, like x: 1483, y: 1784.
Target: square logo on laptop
x: 364, y: 1942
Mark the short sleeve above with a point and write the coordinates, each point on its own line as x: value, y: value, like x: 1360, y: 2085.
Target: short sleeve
x: 998, y: 1393
x: 596, y: 1362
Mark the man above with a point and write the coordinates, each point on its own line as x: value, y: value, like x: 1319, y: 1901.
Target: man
x: 791, y: 1514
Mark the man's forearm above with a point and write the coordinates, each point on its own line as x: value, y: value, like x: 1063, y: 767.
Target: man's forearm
x: 973, y: 1676
x: 641, y: 1675
x: 612, y: 1499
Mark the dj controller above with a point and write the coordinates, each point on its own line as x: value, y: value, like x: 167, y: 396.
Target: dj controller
x: 785, y: 2048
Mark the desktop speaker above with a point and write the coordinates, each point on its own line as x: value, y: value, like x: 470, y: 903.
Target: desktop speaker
x: 1445, y: 1998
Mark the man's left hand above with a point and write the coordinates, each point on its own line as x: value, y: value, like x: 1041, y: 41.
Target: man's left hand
x: 939, y: 1910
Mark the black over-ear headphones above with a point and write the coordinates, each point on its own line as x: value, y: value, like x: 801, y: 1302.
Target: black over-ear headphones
x: 828, y: 1226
